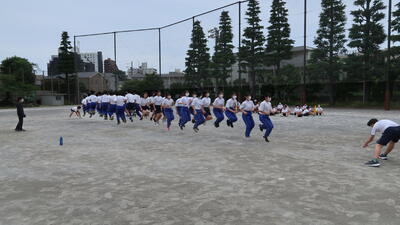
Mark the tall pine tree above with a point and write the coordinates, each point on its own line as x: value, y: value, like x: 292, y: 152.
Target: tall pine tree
x: 252, y: 51
x: 279, y: 44
x: 198, y: 59
x: 223, y: 57
x: 366, y: 35
x: 396, y: 30
x: 66, y: 60
x: 330, y: 44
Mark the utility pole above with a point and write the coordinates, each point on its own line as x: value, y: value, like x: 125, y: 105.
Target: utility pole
x: 240, y: 45
x: 388, y: 62
x: 115, y: 60
x: 304, y: 97
x: 76, y: 73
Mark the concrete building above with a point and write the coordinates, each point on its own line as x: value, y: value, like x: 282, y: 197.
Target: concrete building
x: 140, y: 71
x: 176, y: 77
x: 83, y: 66
x: 110, y: 66
x: 296, y: 60
x: 95, y: 58
x: 49, y: 98
x: 93, y: 81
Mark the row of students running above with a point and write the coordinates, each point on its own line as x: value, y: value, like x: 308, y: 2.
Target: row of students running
x: 195, y: 108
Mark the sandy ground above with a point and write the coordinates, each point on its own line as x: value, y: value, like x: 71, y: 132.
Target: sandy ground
x: 311, y: 173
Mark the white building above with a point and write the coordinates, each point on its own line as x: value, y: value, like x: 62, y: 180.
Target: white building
x: 141, y: 71
x: 93, y: 57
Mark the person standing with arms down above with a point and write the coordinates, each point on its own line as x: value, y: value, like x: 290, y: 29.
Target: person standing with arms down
x: 21, y: 114
x: 265, y: 110
x: 231, y: 110
x: 218, y: 108
x: 247, y: 108
x: 390, y: 136
x: 167, y: 105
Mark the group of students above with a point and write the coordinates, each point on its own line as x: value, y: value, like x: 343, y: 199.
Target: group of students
x: 298, y: 111
x: 195, y: 108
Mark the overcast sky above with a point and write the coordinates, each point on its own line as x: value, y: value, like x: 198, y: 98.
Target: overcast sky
x: 32, y: 29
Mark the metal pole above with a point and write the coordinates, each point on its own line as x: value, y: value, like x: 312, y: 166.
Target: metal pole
x: 388, y: 63
x: 305, y: 54
x: 76, y: 72
x: 115, y: 60
x: 159, y: 51
x: 240, y: 45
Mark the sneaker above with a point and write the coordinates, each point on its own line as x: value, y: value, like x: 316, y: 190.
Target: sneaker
x: 228, y: 123
x: 180, y: 126
x: 266, y: 139
x: 261, y: 128
x: 216, y: 125
x: 373, y: 163
x: 231, y: 124
x: 196, y: 129
x: 383, y: 157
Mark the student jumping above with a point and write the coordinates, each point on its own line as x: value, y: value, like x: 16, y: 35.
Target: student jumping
x: 198, y: 111
x: 218, y: 108
x: 167, y: 105
x: 231, y: 110
x: 247, y: 108
x: 264, y: 111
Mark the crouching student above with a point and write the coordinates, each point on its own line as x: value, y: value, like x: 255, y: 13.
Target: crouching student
x: 285, y: 111
x: 319, y: 110
x: 297, y: 111
x: 264, y: 111
x: 167, y: 105
x: 247, y: 108
x: 75, y: 110
x: 390, y: 136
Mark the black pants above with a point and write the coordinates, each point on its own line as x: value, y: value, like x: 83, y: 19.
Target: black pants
x: 20, y: 122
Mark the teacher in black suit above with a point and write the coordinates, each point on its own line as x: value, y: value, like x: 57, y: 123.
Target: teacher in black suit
x: 20, y: 113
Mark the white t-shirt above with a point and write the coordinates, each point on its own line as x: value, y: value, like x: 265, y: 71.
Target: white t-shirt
x: 206, y: 101
x: 168, y: 103
x: 84, y: 101
x: 382, y: 125
x: 136, y: 97
x: 247, y: 105
x: 197, y: 103
x: 75, y: 109
x: 265, y: 107
x: 306, y: 111
x: 130, y: 98
x: 231, y: 103
x: 113, y: 99
x: 105, y: 98
x: 285, y: 110
x: 185, y: 101
x: 280, y: 106
x: 144, y: 101
x: 219, y: 102
x: 158, y: 100
x: 320, y: 109
x: 121, y: 100
x: 92, y: 98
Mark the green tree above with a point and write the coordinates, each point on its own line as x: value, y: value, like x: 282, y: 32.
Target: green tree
x: 366, y: 35
x: 198, y: 59
x: 330, y: 44
x: 19, y: 67
x: 251, y: 52
x: 149, y: 83
x: 11, y: 85
x: 66, y: 60
x: 279, y: 45
x: 396, y: 32
x: 223, y: 57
